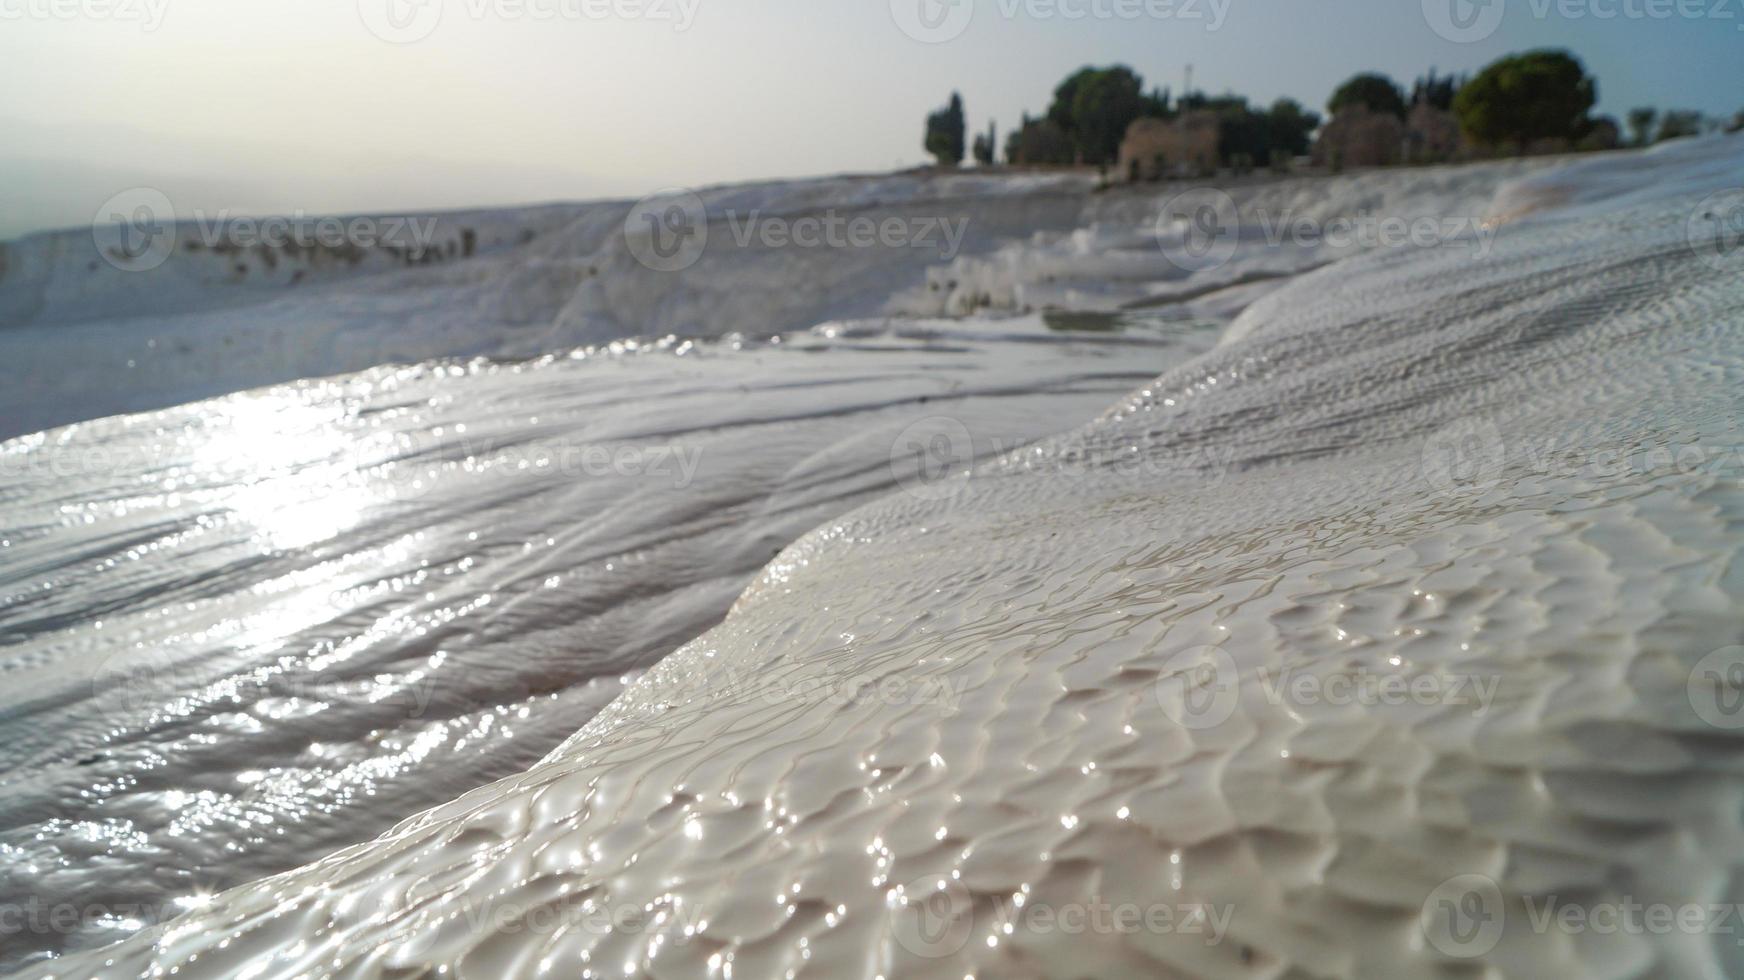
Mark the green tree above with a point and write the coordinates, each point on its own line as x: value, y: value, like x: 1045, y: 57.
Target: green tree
x: 1641, y: 124
x: 986, y: 144
x: 1062, y: 111
x: 944, y: 133
x: 1038, y: 141
x: 1290, y: 126
x: 1244, y: 137
x: 1157, y: 104
x: 1103, y: 106
x: 1679, y: 122
x: 1377, y: 92
x: 1525, y: 97
x: 1601, y: 133
x: 1437, y: 92
x: 1094, y: 106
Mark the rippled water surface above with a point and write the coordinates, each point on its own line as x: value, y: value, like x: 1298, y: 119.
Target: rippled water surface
x: 1098, y: 672
x: 242, y: 633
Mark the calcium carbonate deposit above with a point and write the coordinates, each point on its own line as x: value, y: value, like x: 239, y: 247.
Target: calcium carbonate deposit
x: 1396, y: 635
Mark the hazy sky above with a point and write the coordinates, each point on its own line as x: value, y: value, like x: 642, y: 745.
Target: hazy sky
x: 281, y: 105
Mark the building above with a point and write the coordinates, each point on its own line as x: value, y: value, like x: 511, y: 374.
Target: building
x: 1359, y: 137
x: 1185, y: 146
x: 1432, y: 135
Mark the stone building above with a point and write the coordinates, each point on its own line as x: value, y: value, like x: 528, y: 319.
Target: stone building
x: 1185, y: 146
x: 1359, y: 137
x: 1432, y: 135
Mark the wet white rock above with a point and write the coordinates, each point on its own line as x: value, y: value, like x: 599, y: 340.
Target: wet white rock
x: 1349, y: 648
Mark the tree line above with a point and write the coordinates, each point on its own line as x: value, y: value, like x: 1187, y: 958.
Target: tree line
x: 1508, y: 106
x: 1092, y: 109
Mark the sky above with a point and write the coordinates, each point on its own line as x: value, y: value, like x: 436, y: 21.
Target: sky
x: 323, y: 106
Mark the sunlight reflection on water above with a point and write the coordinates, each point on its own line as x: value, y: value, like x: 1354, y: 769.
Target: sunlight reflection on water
x: 294, y: 466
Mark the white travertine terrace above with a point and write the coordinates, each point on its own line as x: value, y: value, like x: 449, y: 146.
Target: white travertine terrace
x: 1098, y: 674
